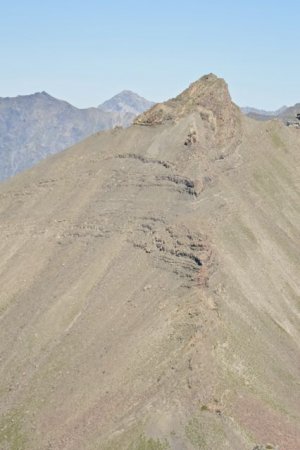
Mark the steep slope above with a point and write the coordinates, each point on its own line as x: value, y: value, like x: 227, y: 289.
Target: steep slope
x: 35, y: 126
x: 150, y: 286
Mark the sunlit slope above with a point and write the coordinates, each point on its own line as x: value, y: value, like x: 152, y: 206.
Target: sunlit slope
x: 150, y: 288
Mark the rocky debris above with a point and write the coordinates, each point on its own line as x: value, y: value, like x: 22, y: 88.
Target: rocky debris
x: 265, y: 447
x: 293, y: 124
x: 186, y: 184
x: 184, y: 252
x: 191, y: 138
x: 182, y: 183
x: 145, y: 160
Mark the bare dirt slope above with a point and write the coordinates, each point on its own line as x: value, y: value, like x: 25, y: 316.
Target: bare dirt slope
x: 150, y: 286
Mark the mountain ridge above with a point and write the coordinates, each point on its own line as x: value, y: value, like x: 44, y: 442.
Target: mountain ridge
x: 37, y: 125
x: 284, y: 114
x: 157, y: 307
x: 261, y: 112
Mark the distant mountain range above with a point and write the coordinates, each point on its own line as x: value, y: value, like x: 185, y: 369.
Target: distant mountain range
x: 127, y: 102
x: 284, y: 113
x: 35, y: 126
x: 248, y: 110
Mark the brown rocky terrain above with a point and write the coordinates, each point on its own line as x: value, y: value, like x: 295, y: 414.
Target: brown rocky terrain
x: 150, y: 286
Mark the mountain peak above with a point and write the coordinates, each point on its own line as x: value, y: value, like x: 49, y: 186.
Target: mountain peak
x: 42, y: 94
x: 208, y: 84
x: 126, y: 102
x: 209, y: 93
x: 209, y: 98
x: 127, y: 92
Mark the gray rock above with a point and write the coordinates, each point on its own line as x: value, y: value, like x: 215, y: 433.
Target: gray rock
x: 33, y: 127
x: 127, y: 102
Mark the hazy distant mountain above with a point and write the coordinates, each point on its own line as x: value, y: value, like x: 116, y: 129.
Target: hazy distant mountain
x: 127, y: 102
x: 290, y: 112
x: 35, y: 126
x: 284, y: 113
x: 261, y: 112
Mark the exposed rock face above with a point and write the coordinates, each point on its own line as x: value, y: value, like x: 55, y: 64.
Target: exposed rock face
x: 150, y: 284
x: 265, y: 447
x: 209, y: 97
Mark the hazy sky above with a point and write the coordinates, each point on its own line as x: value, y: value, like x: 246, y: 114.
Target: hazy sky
x: 86, y: 51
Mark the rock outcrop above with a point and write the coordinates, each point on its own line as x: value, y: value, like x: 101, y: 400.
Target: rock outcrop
x: 210, y: 99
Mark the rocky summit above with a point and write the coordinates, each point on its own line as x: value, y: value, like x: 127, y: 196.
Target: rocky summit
x: 150, y: 286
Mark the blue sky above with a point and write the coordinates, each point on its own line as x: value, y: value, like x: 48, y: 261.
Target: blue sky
x: 87, y: 51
